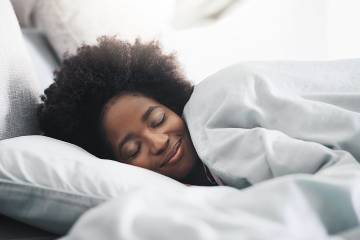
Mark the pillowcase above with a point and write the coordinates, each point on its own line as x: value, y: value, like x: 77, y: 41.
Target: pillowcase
x: 48, y: 183
x: 19, y: 88
x: 69, y: 23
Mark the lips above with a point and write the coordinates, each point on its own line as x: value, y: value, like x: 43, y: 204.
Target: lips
x: 174, y: 152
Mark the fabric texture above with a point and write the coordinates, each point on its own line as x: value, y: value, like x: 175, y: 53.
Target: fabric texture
x: 19, y: 87
x: 247, y: 131
x: 299, y: 155
x: 42, y: 55
x: 310, y: 77
x: 300, y: 207
x: 24, y: 11
x: 49, y: 184
x: 69, y: 23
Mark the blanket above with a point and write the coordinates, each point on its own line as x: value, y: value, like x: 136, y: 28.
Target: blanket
x: 246, y: 130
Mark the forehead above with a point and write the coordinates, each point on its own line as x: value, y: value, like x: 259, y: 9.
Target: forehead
x: 123, y: 114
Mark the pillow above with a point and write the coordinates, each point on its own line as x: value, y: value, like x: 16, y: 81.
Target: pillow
x: 69, y: 23
x: 19, y: 88
x: 48, y: 183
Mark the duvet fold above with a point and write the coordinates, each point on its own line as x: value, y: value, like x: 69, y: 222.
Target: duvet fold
x: 244, y: 128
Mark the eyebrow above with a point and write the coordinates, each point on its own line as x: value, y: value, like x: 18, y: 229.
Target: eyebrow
x: 144, y: 118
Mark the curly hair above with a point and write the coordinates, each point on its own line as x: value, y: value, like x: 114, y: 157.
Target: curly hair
x: 72, y: 106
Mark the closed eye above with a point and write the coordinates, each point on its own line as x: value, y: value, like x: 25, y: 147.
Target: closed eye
x: 133, y: 155
x: 130, y: 154
x: 159, y: 121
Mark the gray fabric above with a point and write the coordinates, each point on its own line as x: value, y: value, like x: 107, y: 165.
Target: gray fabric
x: 43, y: 207
x: 352, y: 234
x: 10, y: 229
x: 19, y: 89
x: 24, y: 11
x: 42, y: 55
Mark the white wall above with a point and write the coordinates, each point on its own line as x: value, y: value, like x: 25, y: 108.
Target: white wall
x: 271, y: 30
x: 343, y: 29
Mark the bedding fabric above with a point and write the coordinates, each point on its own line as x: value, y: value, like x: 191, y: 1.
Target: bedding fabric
x: 19, y: 87
x: 43, y: 58
x: 49, y: 184
x: 246, y: 130
x: 299, y: 207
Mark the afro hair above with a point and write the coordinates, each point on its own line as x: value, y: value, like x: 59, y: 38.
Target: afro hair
x: 72, y: 105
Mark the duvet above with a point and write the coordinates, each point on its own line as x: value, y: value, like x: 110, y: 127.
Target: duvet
x: 247, y: 130
x: 290, y: 164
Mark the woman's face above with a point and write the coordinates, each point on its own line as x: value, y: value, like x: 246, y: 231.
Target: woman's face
x: 145, y: 133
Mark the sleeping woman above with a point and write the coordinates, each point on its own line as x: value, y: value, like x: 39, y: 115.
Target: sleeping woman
x: 131, y: 103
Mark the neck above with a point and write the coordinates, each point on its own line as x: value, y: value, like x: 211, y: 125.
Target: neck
x: 197, y: 176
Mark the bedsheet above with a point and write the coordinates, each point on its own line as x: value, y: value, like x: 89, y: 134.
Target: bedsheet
x: 303, y: 206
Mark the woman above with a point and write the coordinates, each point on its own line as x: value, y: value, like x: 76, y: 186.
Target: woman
x: 100, y: 95
x: 125, y: 102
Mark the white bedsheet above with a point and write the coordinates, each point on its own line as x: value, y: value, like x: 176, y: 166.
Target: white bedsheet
x: 322, y: 206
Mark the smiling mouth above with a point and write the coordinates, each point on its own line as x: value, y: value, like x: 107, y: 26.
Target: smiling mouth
x: 174, y: 154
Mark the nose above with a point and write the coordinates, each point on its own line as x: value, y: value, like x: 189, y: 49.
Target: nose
x: 158, y: 142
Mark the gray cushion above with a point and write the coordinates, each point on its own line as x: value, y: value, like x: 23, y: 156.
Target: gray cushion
x: 19, y: 88
x: 42, y: 55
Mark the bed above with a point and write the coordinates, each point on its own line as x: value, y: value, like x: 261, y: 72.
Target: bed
x: 43, y: 198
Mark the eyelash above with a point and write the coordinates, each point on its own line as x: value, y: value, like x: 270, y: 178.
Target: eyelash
x: 135, y: 154
x: 160, y: 122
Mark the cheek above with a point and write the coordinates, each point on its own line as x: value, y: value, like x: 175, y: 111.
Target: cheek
x: 144, y: 160
x: 178, y: 124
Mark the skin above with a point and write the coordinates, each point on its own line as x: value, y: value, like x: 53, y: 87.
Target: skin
x: 149, y: 142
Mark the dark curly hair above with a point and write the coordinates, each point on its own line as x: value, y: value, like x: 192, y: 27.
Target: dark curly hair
x: 72, y: 106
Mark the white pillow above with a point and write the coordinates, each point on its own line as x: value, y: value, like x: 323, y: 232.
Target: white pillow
x: 69, y: 23
x: 48, y: 183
